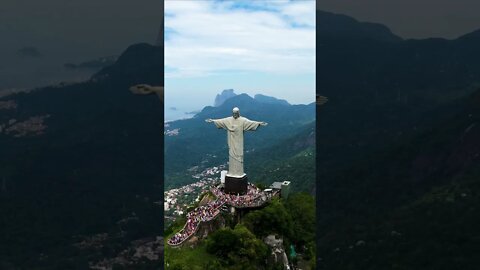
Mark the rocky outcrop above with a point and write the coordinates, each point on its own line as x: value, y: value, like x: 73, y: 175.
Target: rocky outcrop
x: 208, y: 227
x: 278, y: 255
x: 226, y: 94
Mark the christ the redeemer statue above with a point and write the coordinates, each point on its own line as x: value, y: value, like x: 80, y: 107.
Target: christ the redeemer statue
x: 235, y: 126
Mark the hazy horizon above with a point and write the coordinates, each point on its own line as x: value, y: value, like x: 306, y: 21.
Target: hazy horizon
x: 183, y: 110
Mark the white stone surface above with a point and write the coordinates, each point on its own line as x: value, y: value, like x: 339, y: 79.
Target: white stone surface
x: 235, y: 126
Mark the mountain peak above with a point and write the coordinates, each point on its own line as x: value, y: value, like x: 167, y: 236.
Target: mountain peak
x: 222, y: 97
x: 139, y: 63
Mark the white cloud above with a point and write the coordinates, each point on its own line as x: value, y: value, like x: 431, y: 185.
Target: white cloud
x: 208, y: 37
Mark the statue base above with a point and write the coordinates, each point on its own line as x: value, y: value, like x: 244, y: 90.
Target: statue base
x: 236, y: 185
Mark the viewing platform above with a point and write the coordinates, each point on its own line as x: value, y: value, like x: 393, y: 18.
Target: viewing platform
x: 254, y: 198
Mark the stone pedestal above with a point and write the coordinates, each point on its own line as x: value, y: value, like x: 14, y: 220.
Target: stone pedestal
x: 236, y: 185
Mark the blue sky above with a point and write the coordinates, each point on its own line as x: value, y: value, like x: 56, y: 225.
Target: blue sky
x: 253, y: 47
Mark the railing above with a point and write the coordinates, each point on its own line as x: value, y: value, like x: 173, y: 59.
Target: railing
x: 236, y: 201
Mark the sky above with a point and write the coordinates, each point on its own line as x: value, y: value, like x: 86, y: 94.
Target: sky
x: 76, y: 31
x: 69, y: 31
x: 413, y: 18
x: 254, y: 47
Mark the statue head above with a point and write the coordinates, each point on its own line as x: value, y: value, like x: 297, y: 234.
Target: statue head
x: 236, y: 112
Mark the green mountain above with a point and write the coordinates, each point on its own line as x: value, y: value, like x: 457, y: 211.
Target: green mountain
x: 414, y: 206
x: 381, y: 88
x: 82, y: 163
x: 291, y: 159
x: 397, y: 149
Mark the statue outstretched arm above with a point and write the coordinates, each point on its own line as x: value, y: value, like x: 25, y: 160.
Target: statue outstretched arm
x: 253, y: 125
x: 219, y: 123
x: 145, y: 89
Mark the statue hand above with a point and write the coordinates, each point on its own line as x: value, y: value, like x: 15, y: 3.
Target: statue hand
x: 263, y: 123
x: 141, y: 89
x: 208, y: 120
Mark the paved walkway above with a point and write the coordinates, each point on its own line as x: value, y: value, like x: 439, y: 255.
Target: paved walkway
x: 253, y: 198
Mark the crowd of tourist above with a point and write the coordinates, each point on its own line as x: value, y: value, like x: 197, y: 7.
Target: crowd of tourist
x: 254, y: 197
x: 200, y: 214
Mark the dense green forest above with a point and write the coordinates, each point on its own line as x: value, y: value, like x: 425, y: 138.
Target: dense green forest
x: 412, y: 206
x: 292, y: 159
x: 95, y: 170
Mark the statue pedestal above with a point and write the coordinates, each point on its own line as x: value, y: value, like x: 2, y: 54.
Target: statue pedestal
x: 236, y: 185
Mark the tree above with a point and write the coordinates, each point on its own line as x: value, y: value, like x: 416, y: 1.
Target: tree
x: 273, y: 219
x: 250, y: 249
x: 222, y: 242
x: 301, y: 207
x: 238, y: 248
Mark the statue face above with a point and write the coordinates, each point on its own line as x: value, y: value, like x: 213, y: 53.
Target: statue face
x: 236, y: 112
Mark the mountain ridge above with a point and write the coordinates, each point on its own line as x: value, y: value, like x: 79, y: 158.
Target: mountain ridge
x: 334, y: 25
x: 397, y: 145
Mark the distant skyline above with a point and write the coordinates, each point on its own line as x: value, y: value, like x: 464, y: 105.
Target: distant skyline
x: 417, y: 19
x: 254, y: 47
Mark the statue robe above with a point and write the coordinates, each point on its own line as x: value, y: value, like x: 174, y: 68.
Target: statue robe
x: 235, y: 129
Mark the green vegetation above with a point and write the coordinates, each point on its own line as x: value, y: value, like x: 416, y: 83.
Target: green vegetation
x: 292, y: 159
x: 186, y: 258
x: 273, y: 219
x: 237, y: 248
x: 413, y: 206
x: 240, y: 244
x: 396, y: 143
x: 98, y: 162
x: 301, y: 208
